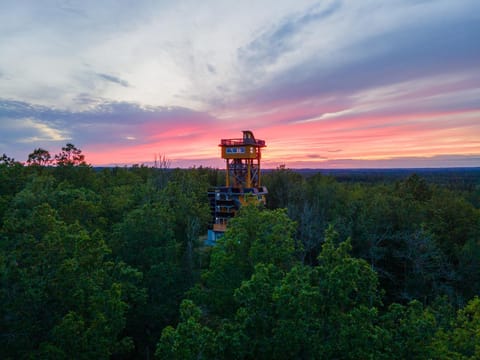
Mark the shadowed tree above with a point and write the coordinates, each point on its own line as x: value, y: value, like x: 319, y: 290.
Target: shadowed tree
x: 70, y: 156
x: 462, y: 340
x: 12, y: 180
x: 410, y: 330
x: 40, y: 157
x: 7, y: 161
x: 190, y: 340
x: 416, y: 188
x: 253, y: 236
x: 61, y: 297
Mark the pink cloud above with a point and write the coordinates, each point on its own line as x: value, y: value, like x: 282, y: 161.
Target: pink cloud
x: 193, y: 140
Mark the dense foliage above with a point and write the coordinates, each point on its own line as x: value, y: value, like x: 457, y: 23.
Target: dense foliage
x: 110, y: 263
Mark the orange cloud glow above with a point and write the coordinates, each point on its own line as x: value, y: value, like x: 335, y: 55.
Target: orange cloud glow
x: 312, y: 144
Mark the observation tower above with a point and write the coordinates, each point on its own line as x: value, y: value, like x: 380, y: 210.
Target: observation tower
x: 242, y: 181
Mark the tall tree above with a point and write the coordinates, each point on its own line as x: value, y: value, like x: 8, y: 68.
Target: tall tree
x: 70, y: 156
x: 8, y: 161
x: 189, y: 340
x: 40, y: 157
x: 462, y: 340
x: 145, y: 241
x: 254, y: 236
x: 409, y: 331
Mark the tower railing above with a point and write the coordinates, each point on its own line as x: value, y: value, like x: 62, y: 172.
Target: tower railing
x: 241, y: 141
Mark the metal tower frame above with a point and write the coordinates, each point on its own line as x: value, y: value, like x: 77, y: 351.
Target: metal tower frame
x: 242, y: 180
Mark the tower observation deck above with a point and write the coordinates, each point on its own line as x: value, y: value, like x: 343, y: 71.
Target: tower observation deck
x: 242, y: 181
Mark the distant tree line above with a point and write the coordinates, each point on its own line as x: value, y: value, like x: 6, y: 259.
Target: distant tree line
x: 111, y: 263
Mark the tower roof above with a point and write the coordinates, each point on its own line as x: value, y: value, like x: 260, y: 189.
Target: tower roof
x: 247, y: 139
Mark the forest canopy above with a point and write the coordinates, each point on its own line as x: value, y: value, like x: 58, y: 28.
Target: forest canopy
x: 112, y: 263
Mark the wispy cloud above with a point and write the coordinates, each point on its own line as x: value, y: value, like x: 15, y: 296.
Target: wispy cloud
x: 30, y: 131
x: 283, y: 36
x: 114, y: 79
x: 104, y: 127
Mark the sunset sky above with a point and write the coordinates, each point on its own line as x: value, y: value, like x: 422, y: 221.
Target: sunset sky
x: 327, y: 84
